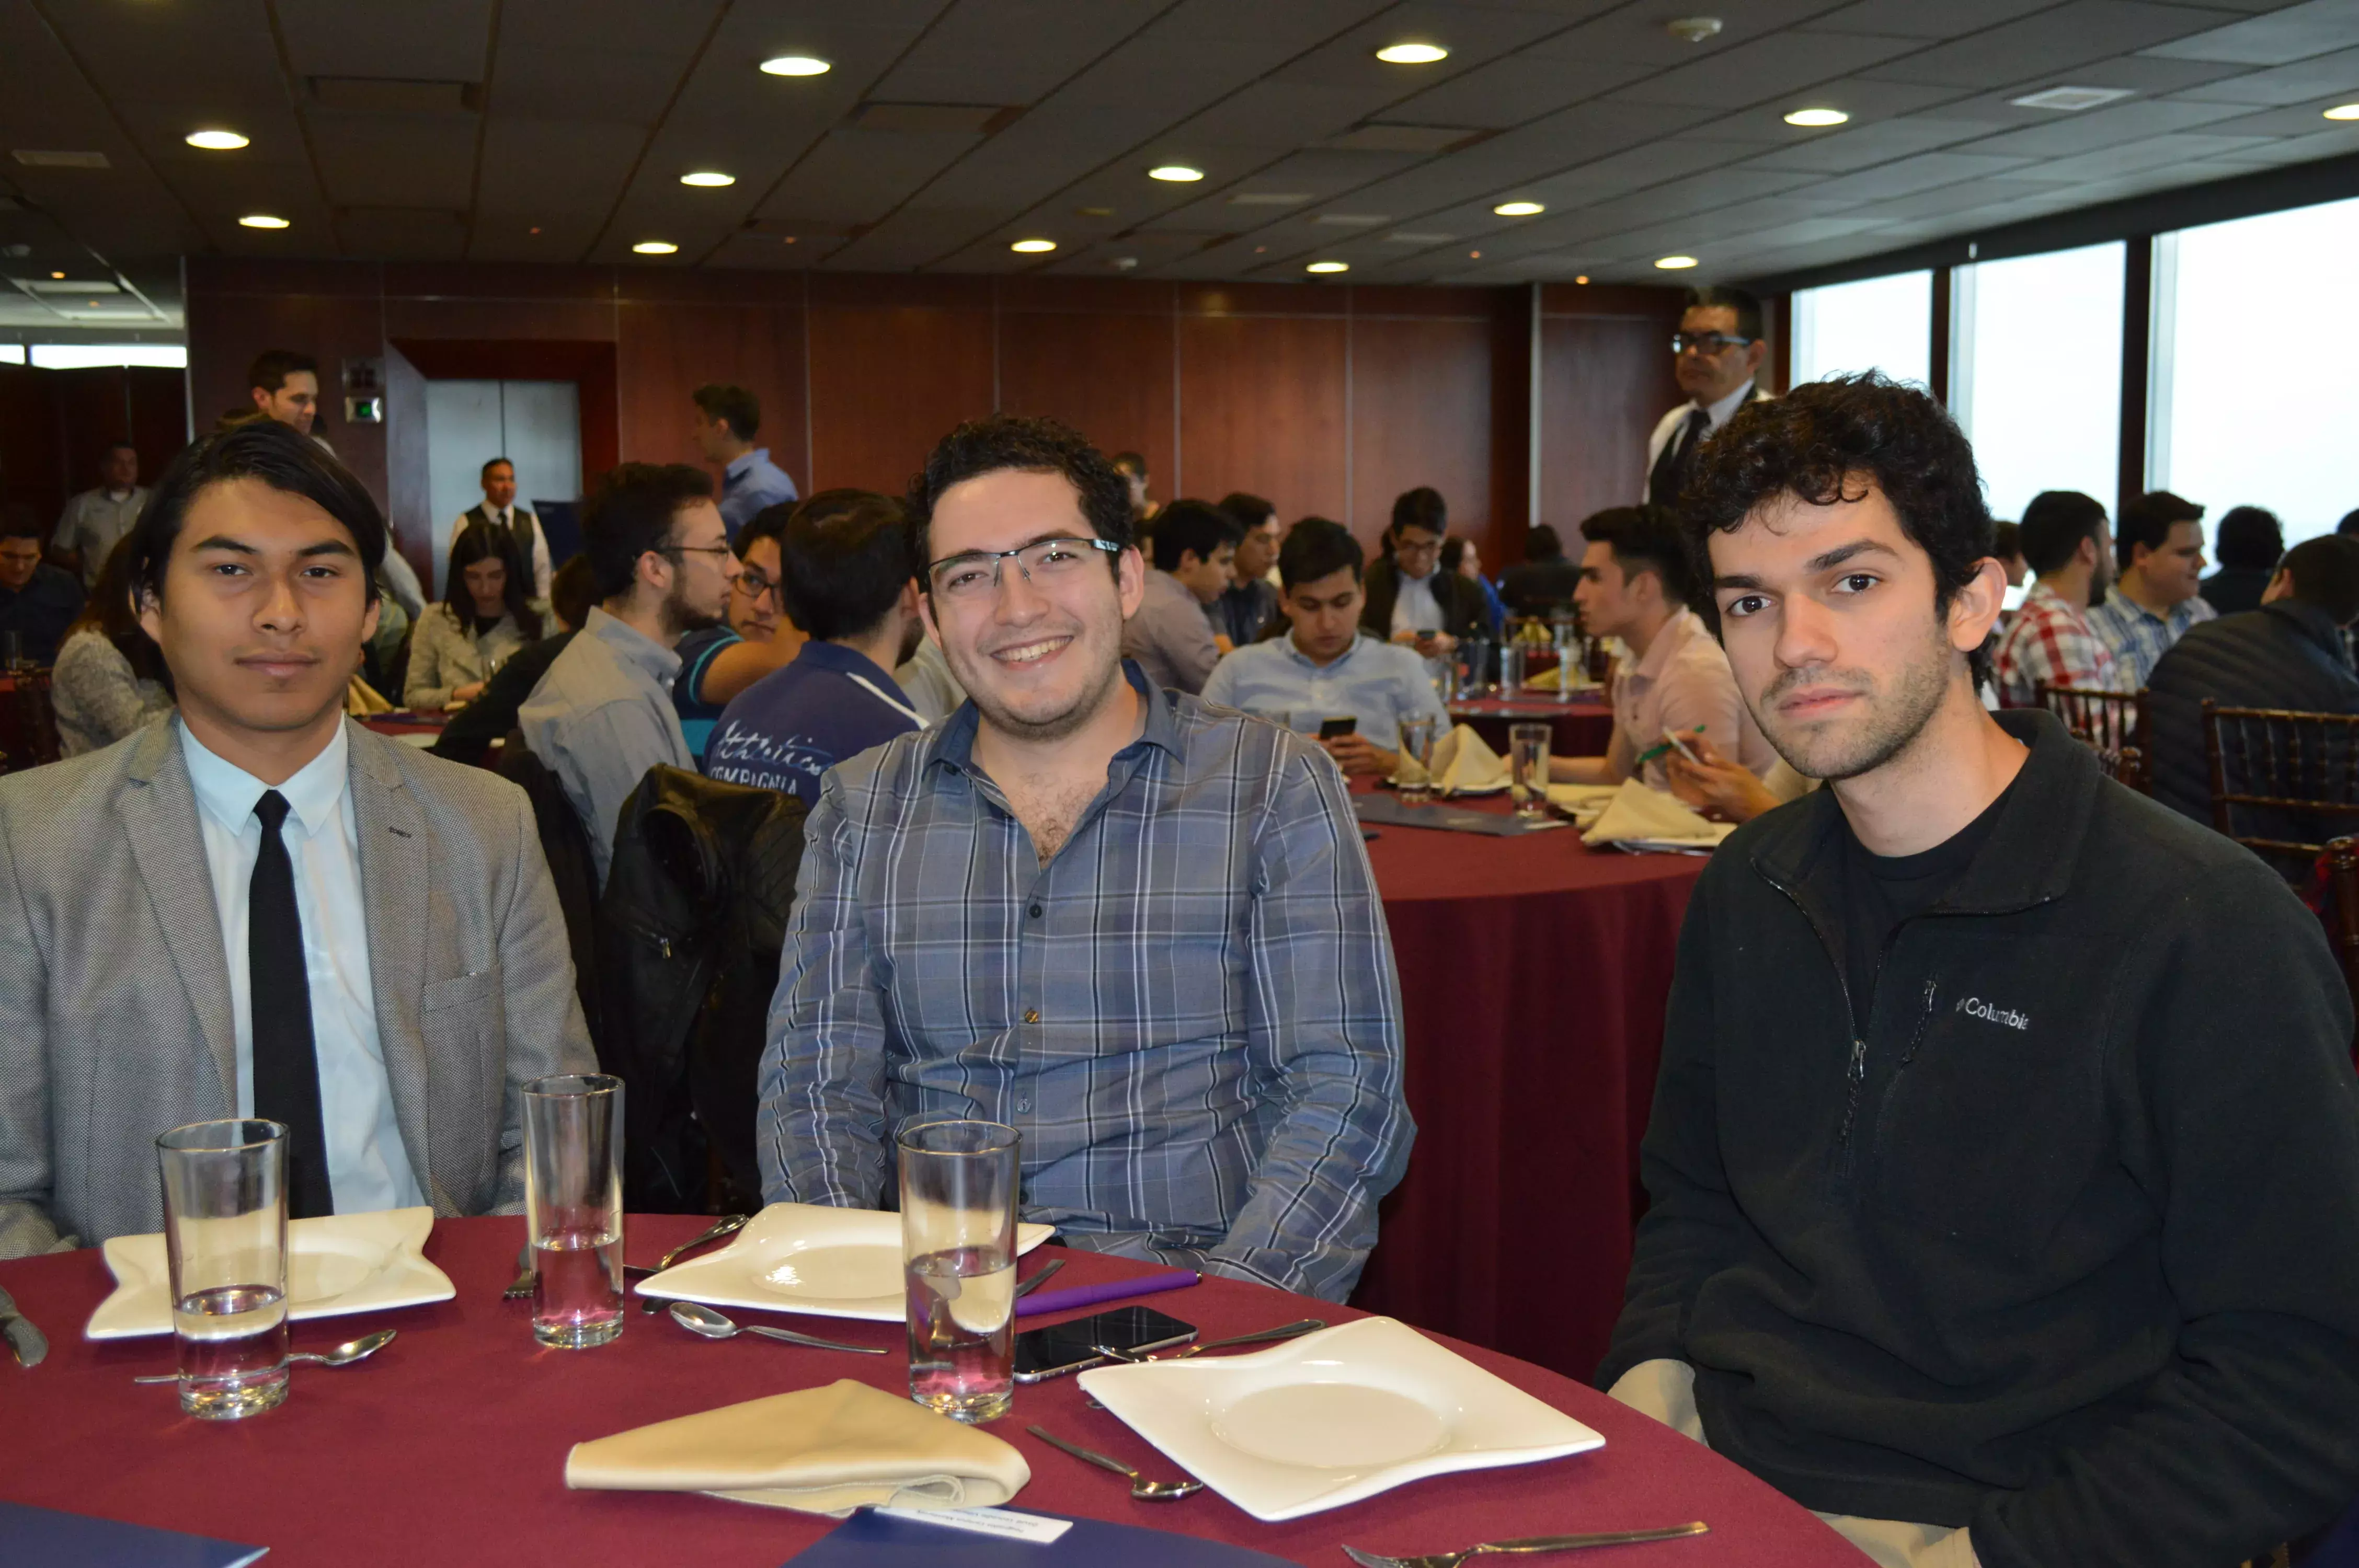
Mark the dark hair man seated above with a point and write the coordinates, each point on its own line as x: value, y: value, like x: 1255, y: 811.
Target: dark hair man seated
x: 2251, y: 539
x: 604, y: 714
x: 1140, y: 930
x: 1248, y: 605
x: 2157, y: 593
x: 260, y: 909
x: 846, y: 562
x: 37, y: 600
x: 2288, y: 654
x: 2050, y: 640
x: 1542, y: 583
x: 1170, y: 634
x: 1410, y: 599
x: 2005, y: 1157
x: 1326, y: 667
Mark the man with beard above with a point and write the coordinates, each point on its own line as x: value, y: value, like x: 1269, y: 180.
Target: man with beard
x: 2004, y: 1158
x: 2051, y: 642
x: 1140, y: 930
x: 603, y: 715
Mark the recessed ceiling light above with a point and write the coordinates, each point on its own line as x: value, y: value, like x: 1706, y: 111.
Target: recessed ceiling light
x: 1177, y: 173
x: 1581, y: 277
x: 1033, y: 247
x: 1473, y: 255
x: 796, y: 65
x: 2344, y: 112
x: 1817, y: 118
x: 261, y: 221
x: 56, y: 274
x: 2070, y: 98
x: 711, y: 177
x: 1673, y: 263
x: 655, y: 247
x: 1094, y: 212
x: 215, y: 141
x: 1518, y: 209
x: 1412, y: 54
x: 1328, y: 267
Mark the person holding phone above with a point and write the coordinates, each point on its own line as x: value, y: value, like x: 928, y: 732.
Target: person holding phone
x: 1349, y: 688
x: 1410, y: 599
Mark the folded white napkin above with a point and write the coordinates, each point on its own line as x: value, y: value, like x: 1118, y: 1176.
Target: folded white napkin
x: 824, y: 1451
x: 1637, y: 815
x: 1465, y: 761
x: 1582, y: 802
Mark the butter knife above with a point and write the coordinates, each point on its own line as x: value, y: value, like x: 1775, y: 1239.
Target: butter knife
x: 26, y: 1342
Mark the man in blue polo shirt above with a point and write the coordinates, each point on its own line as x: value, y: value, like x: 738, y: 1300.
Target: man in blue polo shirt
x: 847, y: 584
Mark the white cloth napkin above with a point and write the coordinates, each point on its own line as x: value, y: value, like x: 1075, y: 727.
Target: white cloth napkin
x: 1582, y: 802
x: 1463, y: 760
x: 1639, y: 816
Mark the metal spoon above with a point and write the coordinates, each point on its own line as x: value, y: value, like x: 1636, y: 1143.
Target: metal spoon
x: 344, y: 1355
x: 727, y: 1225
x: 1145, y: 1490
x: 699, y: 1319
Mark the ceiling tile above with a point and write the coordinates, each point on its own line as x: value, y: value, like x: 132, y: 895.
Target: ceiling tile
x: 2040, y: 46
x: 2297, y: 32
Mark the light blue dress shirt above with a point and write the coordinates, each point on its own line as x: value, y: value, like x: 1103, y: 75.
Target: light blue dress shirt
x: 1378, y: 684
x: 750, y: 482
x: 368, y: 1168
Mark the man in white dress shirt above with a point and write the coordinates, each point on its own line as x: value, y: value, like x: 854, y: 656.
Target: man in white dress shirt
x: 260, y: 909
x: 499, y: 509
x: 96, y: 519
x: 1718, y: 352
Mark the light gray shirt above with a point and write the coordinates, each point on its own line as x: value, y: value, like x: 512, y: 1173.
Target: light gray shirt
x: 926, y: 680
x: 1171, y: 637
x: 601, y: 717
x: 1377, y: 684
x: 95, y: 521
x: 368, y: 1168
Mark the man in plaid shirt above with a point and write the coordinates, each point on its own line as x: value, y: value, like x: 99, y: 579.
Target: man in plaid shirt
x: 2159, y: 554
x: 2051, y: 642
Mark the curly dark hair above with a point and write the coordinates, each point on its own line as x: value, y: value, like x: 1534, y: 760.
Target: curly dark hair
x: 1029, y: 446
x: 1815, y: 443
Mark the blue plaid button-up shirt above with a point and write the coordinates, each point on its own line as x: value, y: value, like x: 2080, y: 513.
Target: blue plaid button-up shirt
x: 1190, y: 1012
x: 2138, y: 636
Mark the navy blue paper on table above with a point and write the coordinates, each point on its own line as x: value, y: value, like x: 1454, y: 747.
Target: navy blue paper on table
x: 45, y: 1538
x: 869, y: 1540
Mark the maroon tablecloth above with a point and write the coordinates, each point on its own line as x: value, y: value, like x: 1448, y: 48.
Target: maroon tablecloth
x: 1579, y: 728
x: 1534, y: 973
x: 449, y: 1447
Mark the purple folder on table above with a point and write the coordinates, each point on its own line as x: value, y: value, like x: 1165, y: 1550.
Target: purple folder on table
x: 45, y: 1538
x: 869, y: 1540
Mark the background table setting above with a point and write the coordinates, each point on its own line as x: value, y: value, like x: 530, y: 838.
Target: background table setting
x: 449, y: 1445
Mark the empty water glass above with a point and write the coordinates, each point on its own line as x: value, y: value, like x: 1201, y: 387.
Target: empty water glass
x: 226, y: 1251
x: 1511, y: 671
x: 573, y: 1208
x: 1528, y: 746
x: 1416, y: 772
x: 958, y: 1264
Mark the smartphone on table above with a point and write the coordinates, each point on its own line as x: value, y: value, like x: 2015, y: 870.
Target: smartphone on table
x: 1066, y: 1348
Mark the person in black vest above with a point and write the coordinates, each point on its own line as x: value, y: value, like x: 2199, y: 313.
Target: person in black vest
x: 2251, y: 539
x: 1717, y: 354
x: 2286, y: 653
x: 499, y: 509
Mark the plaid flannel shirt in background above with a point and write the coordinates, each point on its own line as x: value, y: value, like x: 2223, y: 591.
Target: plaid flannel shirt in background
x: 1191, y: 1013
x: 2138, y: 637
x: 2050, y: 644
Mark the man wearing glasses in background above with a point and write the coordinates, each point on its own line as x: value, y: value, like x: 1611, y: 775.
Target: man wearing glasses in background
x: 603, y: 715
x: 1140, y: 930
x: 718, y: 663
x: 1718, y: 351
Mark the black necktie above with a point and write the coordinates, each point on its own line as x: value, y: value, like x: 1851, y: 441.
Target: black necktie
x: 286, y: 1068
x: 1677, y: 463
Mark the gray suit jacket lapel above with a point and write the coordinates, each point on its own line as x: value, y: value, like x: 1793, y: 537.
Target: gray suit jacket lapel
x: 159, y: 816
x: 395, y: 880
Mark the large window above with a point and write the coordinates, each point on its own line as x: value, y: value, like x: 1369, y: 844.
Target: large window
x: 2239, y: 417
x: 1879, y: 323
x: 74, y: 356
x: 2035, y: 372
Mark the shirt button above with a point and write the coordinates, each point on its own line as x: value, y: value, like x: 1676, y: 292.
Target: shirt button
x: 1031, y: 1015
x: 1035, y: 911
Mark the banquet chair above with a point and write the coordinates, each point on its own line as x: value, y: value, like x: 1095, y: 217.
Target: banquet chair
x: 2111, y: 723
x: 566, y: 846
x: 2340, y: 862
x: 2283, y: 783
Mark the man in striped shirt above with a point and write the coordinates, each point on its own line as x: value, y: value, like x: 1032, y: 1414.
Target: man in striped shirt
x: 2051, y: 642
x: 1140, y: 931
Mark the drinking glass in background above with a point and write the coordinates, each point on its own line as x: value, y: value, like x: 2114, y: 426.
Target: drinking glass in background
x: 12, y: 650
x: 1511, y: 671
x: 573, y: 1208
x: 1443, y: 675
x: 1416, y: 774
x: 1567, y: 636
x: 1528, y: 746
x: 958, y: 1265
x: 225, y: 1247
x: 1473, y: 667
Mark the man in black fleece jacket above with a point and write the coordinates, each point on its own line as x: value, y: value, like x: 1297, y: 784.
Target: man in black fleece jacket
x: 2005, y: 1159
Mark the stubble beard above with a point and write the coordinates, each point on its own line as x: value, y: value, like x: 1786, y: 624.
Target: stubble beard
x: 681, y: 617
x: 1898, y: 713
x: 1054, y: 727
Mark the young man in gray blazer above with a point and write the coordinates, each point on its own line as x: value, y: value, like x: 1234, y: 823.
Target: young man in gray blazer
x: 259, y: 909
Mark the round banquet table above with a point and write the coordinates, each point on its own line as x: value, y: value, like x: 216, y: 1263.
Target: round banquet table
x: 1577, y: 729
x: 449, y: 1445
x: 1534, y: 972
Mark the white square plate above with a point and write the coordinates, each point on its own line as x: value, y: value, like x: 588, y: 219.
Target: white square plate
x: 336, y: 1263
x: 794, y: 1257
x: 1332, y: 1417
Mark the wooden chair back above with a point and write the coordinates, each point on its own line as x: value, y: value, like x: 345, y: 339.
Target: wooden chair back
x: 2283, y: 783
x: 2111, y: 723
x: 2342, y: 862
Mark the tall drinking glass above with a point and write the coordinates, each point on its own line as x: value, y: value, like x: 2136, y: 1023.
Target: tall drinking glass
x: 958, y: 1264
x: 1417, y: 738
x: 1473, y: 667
x: 1567, y: 636
x: 1511, y: 671
x: 573, y: 1208
x: 225, y: 1247
x: 1528, y: 764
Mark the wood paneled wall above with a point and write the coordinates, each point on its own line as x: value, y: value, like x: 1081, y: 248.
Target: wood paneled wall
x: 1326, y: 398
x: 55, y: 426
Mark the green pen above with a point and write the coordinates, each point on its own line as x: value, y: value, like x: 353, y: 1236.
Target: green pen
x: 1669, y: 742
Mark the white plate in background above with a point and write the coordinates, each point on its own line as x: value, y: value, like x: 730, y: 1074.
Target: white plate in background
x: 808, y: 1258
x: 336, y: 1264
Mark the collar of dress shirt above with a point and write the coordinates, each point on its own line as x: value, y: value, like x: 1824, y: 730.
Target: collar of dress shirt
x: 1667, y: 644
x: 742, y: 464
x: 953, y: 741
x: 633, y: 645
x: 228, y: 792
x: 1304, y: 661
x: 1718, y: 414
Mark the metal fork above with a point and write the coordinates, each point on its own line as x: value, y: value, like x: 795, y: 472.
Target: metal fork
x: 522, y: 1286
x: 727, y: 1225
x: 1526, y: 1546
